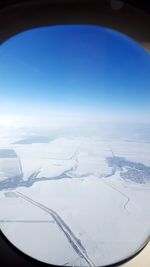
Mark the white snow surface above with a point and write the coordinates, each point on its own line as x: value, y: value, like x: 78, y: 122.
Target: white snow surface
x: 108, y: 214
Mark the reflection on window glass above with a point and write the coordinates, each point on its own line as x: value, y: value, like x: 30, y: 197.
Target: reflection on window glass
x: 75, y: 145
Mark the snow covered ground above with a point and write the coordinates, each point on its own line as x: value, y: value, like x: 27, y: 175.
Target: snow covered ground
x: 77, y: 200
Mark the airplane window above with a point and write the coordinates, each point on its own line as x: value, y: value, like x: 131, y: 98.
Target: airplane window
x: 75, y: 145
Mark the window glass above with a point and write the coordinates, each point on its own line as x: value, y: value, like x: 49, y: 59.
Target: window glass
x: 75, y: 145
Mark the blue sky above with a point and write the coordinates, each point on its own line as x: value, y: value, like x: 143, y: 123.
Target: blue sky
x: 75, y: 69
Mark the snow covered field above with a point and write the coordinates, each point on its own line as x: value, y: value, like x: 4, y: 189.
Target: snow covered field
x: 79, y: 200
